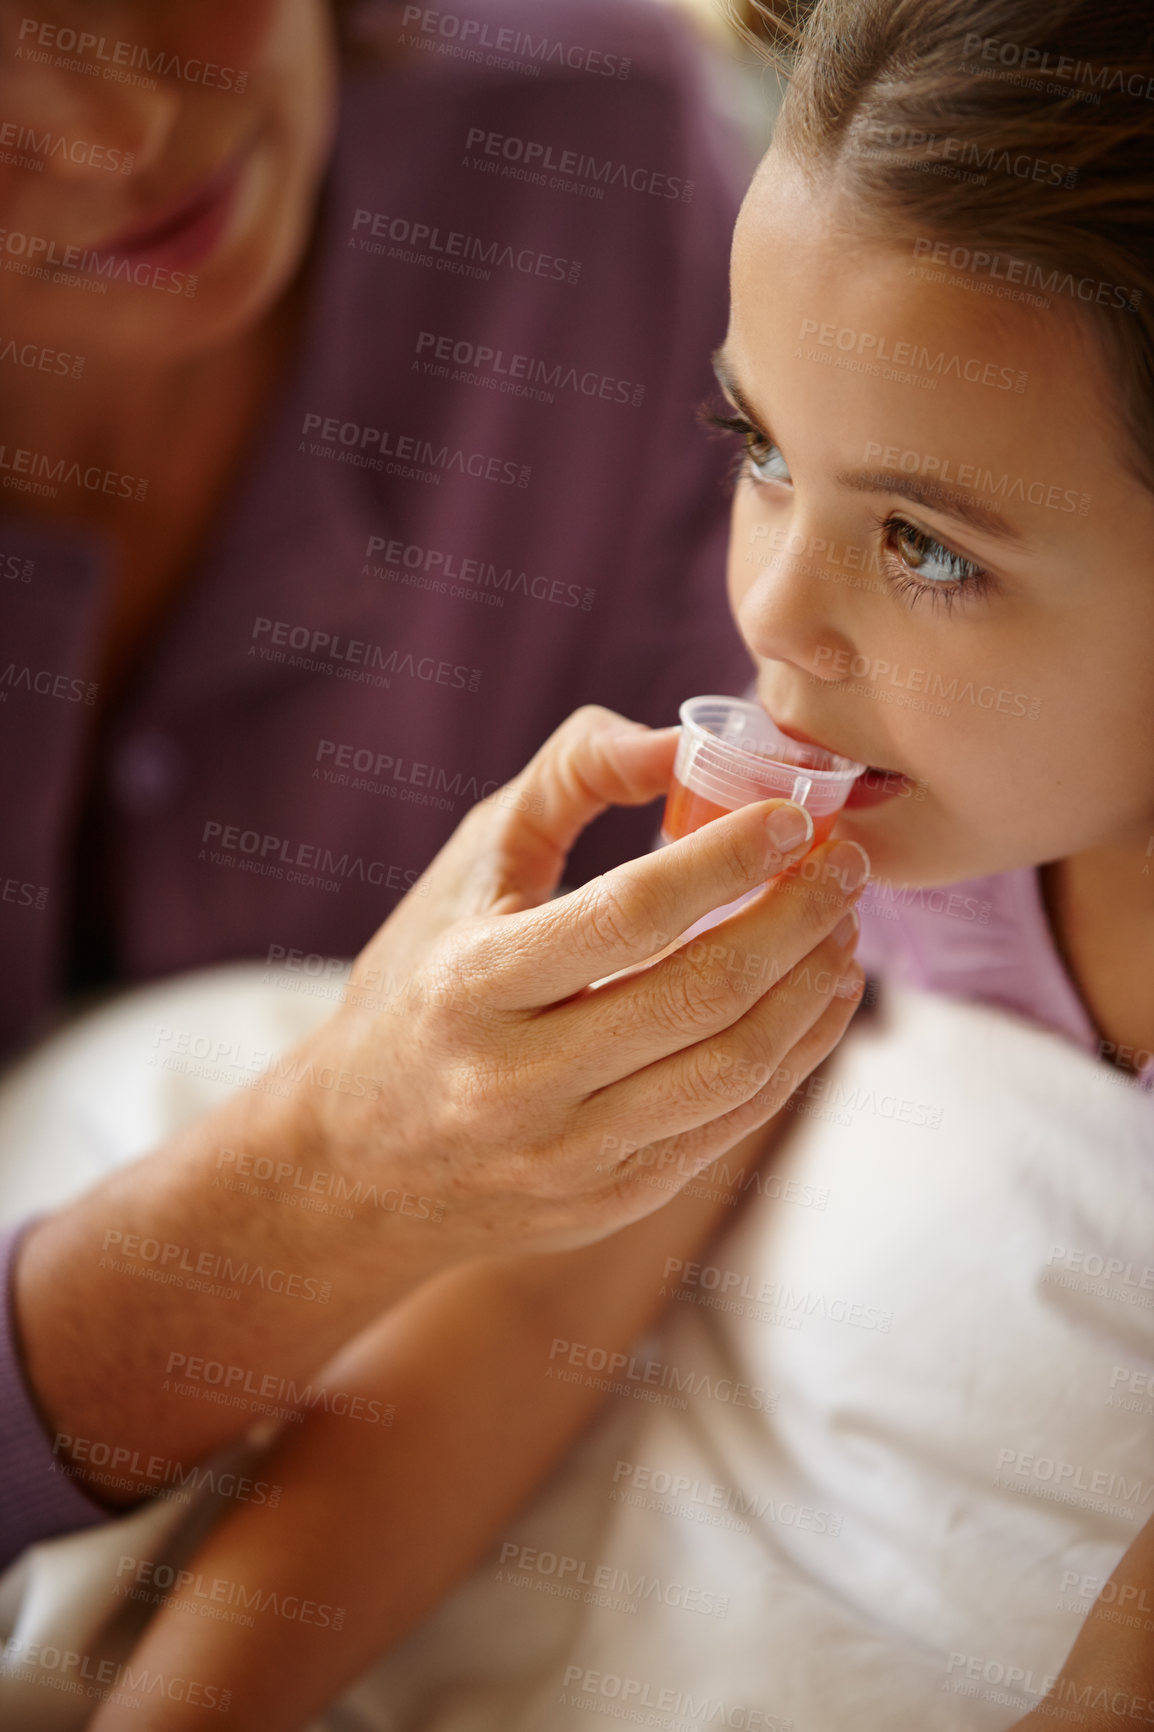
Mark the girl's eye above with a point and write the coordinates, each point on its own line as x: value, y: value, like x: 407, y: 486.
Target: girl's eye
x: 924, y: 567
x: 919, y: 565
x: 765, y: 461
x: 928, y: 557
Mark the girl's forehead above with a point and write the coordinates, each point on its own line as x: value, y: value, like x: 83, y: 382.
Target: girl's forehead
x: 857, y: 359
x: 813, y: 233
x: 813, y: 275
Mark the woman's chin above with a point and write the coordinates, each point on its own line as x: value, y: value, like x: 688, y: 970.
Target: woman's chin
x: 150, y: 324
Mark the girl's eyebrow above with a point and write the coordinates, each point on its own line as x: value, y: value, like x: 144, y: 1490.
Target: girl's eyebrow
x: 723, y: 373
x: 919, y: 490
x: 949, y: 501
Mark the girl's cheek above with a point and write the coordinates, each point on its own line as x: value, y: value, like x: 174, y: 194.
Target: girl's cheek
x: 742, y: 563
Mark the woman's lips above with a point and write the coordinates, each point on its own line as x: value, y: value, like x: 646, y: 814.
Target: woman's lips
x: 187, y: 231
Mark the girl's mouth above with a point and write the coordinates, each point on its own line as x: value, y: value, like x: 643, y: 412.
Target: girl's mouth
x: 185, y: 231
x: 877, y: 785
x: 872, y: 787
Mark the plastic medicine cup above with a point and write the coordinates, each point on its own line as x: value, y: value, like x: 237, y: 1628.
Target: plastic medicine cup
x: 730, y: 754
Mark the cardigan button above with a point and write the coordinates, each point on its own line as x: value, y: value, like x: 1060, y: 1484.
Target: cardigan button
x: 148, y: 773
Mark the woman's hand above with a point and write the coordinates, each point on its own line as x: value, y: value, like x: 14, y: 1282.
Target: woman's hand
x: 533, y: 1109
x: 510, y: 1103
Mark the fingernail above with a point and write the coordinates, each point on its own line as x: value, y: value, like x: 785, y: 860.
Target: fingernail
x: 847, y: 928
x: 850, y: 862
x: 789, y: 826
x: 849, y: 986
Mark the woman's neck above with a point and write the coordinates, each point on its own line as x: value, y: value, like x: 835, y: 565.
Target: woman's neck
x: 182, y: 428
x: 163, y: 421
x: 1101, y: 909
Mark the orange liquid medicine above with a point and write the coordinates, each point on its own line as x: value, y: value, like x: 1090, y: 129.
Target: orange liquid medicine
x: 686, y: 811
x: 731, y: 754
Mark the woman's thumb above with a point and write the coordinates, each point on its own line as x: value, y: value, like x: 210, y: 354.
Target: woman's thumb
x: 595, y: 759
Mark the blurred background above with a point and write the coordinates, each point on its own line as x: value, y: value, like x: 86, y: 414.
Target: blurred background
x: 748, y: 84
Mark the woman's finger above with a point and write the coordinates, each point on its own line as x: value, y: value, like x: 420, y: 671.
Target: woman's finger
x: 708, y: 984
x: 627, y: 915
x: 525, y: 831
x: 717, y: 1075
x: 647, y: 1176
x: 509, y: 850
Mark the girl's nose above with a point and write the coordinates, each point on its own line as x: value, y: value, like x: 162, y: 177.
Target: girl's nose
x: 789, y: 614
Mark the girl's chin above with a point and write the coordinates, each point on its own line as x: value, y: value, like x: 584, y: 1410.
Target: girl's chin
x: 901, y: 855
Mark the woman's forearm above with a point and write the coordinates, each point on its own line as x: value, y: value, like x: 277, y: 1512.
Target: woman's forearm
x: 377, y: 1523
x: 169, y: 1308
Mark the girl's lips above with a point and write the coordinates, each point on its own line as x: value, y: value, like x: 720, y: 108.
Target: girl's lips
x: 875, y: 786
x: 799, y: 734
x: 185, y: 232
x: 872, y: 787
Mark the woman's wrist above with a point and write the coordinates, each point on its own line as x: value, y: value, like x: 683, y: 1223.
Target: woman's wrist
x: 160, y: 1314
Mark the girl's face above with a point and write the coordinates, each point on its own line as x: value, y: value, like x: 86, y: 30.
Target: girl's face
x: 937, y: 572
x: 157, y: 166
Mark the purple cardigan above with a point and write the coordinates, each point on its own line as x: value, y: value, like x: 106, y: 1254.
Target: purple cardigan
x: 478, y: 500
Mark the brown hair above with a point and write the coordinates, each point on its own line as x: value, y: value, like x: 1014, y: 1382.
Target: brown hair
x: 1049, y: 102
